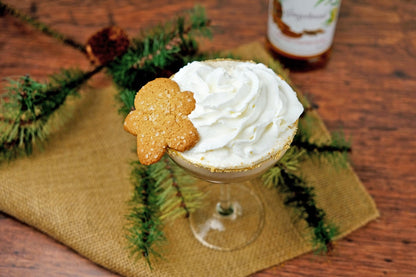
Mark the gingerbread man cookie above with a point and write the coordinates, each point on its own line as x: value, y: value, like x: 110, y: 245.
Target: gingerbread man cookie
x: 160, y: 120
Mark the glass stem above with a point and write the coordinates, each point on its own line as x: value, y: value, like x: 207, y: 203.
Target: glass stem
x: 224, y: 207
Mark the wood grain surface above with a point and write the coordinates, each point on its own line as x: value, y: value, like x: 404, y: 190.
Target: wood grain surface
x: 368, y: 89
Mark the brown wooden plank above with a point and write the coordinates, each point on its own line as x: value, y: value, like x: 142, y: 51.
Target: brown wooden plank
x: 367, y: 89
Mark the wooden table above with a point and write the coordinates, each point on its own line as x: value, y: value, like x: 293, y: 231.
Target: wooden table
x: 368, y: 89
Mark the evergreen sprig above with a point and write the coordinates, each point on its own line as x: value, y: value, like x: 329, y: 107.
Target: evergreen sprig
x: 301, y: 197
x: 28, y: 105
x: 145, y: 230
x: 158, y: 52
x: 162, y: 193
x: 334, y: 149
x: 179, y: 196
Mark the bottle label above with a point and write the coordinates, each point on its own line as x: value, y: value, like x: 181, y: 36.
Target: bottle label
x: 302, y: 28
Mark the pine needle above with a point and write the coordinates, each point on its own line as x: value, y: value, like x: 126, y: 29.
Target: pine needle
x: 158, y: 52
x: 162, y: 193
x: 300, y: 197
x: 27, y: 107
x: 334, y: 150
x: 145, y: 229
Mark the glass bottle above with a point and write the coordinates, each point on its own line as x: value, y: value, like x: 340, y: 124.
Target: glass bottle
x: 300, y: 32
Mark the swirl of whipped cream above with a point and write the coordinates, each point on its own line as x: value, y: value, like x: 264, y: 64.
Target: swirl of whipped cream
x: 244, y: 112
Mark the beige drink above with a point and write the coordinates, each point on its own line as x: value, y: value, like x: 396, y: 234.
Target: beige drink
x: 245, y: 114
x: 246, y: 117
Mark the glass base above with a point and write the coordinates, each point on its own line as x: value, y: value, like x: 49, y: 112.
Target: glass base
x: 228, y: 223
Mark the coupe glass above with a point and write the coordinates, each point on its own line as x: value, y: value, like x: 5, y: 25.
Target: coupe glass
x: 232, y: 215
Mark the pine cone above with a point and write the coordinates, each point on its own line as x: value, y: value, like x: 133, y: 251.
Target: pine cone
x: 107, y: 44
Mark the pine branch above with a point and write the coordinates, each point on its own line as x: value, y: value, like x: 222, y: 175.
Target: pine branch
x: 333, y: 149
x: 145, y: 227
x: 158, y: 52
x: 301, y: 197
x: 163, y: 192
x: 27, y: 107
x: 179, y: 197
x: 7, y: 9
x: 333, y: 146
x: 306, y: 127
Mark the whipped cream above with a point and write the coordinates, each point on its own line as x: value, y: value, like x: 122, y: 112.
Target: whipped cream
x: 244, y: 112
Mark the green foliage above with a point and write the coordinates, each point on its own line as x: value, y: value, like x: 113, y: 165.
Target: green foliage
x: 300, y: 197
x: 27, y: 106
x: 145, y: 227
x: 162, y: 193
x: 158, y: 52
x: 333, y: 150
x: 179, y: 197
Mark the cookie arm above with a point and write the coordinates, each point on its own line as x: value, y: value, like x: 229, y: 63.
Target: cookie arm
x: 150, y: 149
x: 185, y: 103
x: 183, y: 135
x: 131, y: 122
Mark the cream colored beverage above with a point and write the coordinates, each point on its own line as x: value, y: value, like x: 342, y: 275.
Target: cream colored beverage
x: 245, y: 114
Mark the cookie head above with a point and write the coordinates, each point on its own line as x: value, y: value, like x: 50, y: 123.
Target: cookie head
x: 160, y: 120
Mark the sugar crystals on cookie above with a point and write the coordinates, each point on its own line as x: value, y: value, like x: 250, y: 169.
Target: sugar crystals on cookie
x: 160, y: 120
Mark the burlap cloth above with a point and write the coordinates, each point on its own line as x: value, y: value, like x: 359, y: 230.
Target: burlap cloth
x: 77, y: 188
